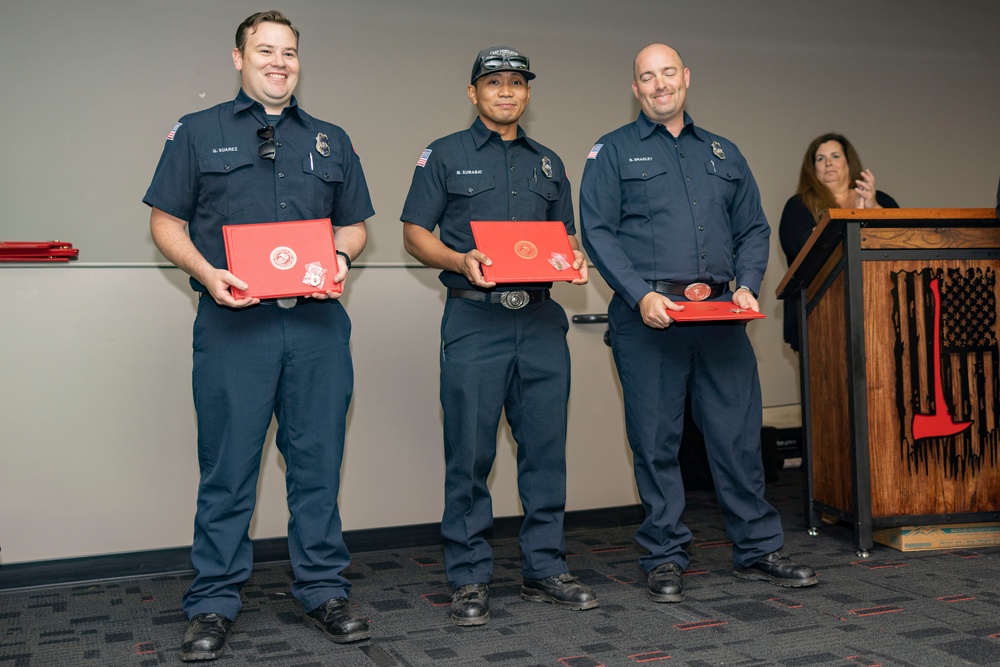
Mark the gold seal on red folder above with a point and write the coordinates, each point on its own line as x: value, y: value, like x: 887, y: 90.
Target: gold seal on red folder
x: 526, y: 249
x: 283, y: 258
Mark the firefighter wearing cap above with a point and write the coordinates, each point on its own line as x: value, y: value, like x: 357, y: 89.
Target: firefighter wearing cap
x: 503, y: 347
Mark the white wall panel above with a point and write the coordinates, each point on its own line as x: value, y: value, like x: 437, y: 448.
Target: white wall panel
x: 99, y: 440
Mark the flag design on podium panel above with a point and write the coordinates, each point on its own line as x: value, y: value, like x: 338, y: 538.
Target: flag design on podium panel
x: 947, y: 369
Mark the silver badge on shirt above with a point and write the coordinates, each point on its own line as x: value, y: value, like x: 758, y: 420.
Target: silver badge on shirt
x: 547, y: 166
x: 717, y: 149
x: 322, y: 145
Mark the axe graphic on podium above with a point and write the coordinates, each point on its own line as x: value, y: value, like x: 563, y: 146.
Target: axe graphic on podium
x: 938, y: 424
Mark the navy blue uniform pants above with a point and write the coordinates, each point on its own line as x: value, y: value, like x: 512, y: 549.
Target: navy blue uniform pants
x: 493, y: 358
x: 717, y: 365
x: 250, y: 364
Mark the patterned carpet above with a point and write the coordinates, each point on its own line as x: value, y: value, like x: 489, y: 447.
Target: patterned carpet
x: 930, y: 608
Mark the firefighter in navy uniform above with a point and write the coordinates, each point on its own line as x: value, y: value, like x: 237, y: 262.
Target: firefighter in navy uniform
x: 261, y: 158
x: 669, y: 213
x: 502, y: 347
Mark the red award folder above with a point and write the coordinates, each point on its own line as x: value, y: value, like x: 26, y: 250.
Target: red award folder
x: 37, y: 251
x: 525, y: 252
x: 279, y: 259
x: 707, y: 311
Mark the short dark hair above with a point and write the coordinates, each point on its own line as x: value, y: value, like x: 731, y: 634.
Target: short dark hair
x: 251, y: 23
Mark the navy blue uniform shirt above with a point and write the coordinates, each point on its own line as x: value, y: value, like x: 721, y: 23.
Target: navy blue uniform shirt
x: 211, y: 175
x: 476, y: 175
x: 684, y: 209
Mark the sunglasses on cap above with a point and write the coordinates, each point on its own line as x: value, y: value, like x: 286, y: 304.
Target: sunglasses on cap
x: 514, y: 61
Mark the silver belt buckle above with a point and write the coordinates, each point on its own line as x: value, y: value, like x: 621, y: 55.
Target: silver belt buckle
x: 697, y: 292
x: 514, y: 300
x: 288, y: 302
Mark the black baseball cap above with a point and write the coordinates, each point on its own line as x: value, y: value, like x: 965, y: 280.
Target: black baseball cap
x: 501, y: 59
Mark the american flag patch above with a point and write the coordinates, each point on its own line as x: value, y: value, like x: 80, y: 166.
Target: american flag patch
x: 594, y: 151
x: 171, y: 133
x: 423, y: 158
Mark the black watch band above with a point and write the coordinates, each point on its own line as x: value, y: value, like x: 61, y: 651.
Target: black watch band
x: 347, y: 258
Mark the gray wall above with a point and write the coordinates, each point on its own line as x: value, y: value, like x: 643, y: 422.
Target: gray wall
x: 92, y: 88
x: 94, y: 358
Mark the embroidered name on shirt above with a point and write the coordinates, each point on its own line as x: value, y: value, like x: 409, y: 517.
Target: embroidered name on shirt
x: 640, y: 159
x: 228, y: 149
x: 468, y: 172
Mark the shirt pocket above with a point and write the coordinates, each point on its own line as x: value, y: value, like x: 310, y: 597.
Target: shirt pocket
x: 469, y: 197
x: 226, y: 182
x: 644, y: 188
x: 322, y: 181
x: 726, y: 180
x: 546, y: 193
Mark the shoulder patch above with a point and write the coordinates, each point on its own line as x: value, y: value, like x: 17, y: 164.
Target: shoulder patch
x: 594, y: 151
x: 171, y: 133
x: 422, y: 160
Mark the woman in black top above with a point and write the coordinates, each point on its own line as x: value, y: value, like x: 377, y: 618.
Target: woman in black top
x: 831, y: 177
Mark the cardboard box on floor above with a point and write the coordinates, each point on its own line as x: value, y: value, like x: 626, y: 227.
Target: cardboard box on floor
x: 941, y: 536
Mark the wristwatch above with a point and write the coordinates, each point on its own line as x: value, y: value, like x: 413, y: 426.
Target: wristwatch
x: 347, y: 258
x: 738, y: 289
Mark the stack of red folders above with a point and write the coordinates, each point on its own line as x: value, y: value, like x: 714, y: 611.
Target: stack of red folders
x: 37, y: 251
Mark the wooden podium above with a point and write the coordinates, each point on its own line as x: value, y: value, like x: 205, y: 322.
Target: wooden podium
x: 900, y: 367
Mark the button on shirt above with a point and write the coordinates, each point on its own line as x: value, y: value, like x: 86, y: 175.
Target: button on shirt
x: 684, y: 209
x: 211, y: 175
x: 476, y: 175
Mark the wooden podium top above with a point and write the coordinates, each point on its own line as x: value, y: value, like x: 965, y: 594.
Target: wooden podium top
x: 829, y: 233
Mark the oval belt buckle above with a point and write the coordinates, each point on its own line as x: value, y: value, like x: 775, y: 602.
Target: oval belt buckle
x: 288, y: 302
x: 697, y: 291
x: 515, y: 299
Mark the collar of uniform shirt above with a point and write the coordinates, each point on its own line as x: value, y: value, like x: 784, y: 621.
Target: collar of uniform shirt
x: 647, y: 127
x: 244, y: 103
x: 481, y: 134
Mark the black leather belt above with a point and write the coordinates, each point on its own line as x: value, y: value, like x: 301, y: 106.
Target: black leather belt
x: 513, y: 299
x: 693, y: 291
